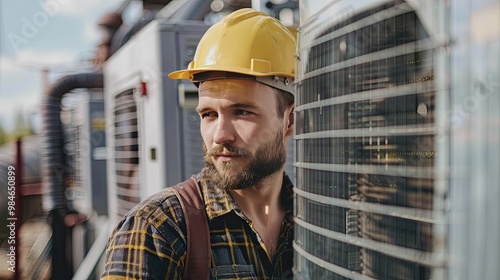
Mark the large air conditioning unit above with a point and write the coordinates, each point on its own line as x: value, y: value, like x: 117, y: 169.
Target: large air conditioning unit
x: 397, y: 140
x: 152, y: 127
x: 85, y: 149
x: 371, y: 181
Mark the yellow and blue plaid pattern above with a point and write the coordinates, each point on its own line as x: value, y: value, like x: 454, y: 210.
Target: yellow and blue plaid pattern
x: 150, y: 241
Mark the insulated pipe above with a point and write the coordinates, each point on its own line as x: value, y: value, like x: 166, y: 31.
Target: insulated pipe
x: 54, y: 169
x: 53, y: 160
x: 175, y: 10
x: 192, y: 10
x: 185, y: 10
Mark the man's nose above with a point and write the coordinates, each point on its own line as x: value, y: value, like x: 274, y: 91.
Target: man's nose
x: 224, y: 131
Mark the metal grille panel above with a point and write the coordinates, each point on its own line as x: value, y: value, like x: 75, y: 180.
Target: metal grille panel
x: 126, y: 153
x: 365, y: 154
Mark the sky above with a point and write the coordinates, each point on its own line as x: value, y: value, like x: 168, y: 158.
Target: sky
x: 59, y: 35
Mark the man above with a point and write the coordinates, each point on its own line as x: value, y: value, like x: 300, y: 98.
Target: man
x: 243, y: 67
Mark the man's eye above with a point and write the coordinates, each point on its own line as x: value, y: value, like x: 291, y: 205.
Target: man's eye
x: 209, y: 115
x: 242, y: 112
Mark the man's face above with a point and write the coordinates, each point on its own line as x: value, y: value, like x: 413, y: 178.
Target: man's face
x: 244, y: 139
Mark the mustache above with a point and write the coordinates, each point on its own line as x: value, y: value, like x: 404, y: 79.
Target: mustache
x: 226, y: 149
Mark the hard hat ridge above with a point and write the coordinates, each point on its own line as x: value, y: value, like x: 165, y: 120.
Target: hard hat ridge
x: 241, y: 15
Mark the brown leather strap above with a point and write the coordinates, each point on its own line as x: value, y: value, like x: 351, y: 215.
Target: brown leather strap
x: 197, y: 265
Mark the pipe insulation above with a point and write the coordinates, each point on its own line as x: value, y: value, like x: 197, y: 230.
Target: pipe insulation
x: 54, y: 167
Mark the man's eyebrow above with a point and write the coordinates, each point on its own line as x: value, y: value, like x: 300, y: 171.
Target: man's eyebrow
x: 234, y: 106
x: 245, y: 106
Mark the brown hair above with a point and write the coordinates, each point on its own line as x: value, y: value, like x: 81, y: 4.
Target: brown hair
x: 283, y: 100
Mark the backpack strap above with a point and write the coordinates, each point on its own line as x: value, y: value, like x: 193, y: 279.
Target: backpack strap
x: 197, y: 264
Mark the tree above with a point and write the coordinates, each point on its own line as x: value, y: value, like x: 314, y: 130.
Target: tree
x: 22, y: 127
x: 3, y: 135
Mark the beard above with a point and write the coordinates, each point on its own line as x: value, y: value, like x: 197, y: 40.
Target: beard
x: 268, y: 159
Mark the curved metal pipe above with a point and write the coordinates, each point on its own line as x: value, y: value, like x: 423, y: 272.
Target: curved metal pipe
x: 185, y: 10
x: 54, y: 169
x: 53, y: 160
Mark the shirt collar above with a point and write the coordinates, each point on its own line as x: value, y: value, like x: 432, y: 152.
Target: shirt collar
x: 218, y: 202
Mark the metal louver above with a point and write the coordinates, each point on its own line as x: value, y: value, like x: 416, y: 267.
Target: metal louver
x: 366, y: 194
x: 126, y: 153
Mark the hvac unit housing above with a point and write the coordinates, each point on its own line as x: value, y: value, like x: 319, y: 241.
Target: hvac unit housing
x: 153, y: 129
x: 397, y: 140
x: 369, y: 192
x: 86, y: 130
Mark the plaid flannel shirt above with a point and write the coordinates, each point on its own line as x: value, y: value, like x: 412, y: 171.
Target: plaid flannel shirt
x: 150, y: 241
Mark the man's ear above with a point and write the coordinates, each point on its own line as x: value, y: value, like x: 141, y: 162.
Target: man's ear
x: 290, y: 120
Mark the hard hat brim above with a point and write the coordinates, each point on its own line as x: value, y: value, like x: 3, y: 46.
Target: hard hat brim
x: 188, y: 73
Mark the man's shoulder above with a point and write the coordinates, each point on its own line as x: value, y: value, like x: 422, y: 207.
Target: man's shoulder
x: 150, y: 236
x: 158, y: 207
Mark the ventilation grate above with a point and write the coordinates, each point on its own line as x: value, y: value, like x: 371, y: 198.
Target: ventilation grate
x: 365, y: 155
x: 126, y: 153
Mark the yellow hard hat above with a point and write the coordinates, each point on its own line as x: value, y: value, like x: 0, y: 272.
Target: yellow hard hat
x: 245, y: 43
